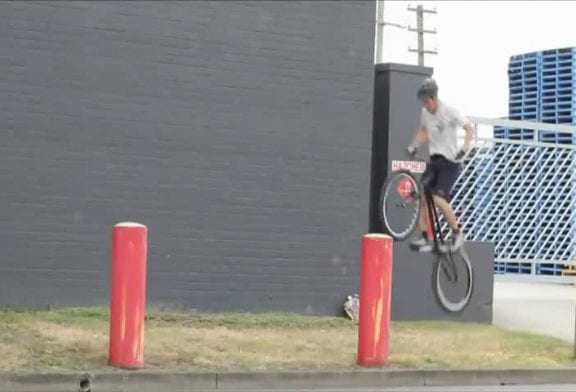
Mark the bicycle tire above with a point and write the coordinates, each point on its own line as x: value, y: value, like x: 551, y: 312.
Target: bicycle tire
x: 464, y: 280
x: 401, y: 230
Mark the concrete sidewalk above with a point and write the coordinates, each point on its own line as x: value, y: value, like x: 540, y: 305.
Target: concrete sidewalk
x: 541, y: 308
x: 144, y: 381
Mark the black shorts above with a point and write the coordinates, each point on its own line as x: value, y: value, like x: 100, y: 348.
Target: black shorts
x: 440, y: 176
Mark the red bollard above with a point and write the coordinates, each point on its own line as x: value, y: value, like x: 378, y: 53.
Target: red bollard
x: 375, y: 293
x: 128, y: 295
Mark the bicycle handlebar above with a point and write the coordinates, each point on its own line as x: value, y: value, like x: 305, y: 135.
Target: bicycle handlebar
x: 413, y: 151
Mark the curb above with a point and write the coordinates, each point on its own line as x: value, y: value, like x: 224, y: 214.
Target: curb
x: 373, y: 378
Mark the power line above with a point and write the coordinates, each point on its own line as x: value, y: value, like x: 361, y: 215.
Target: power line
x: 395, y: 25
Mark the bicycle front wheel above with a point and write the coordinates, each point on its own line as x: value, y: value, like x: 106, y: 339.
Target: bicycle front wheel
x: 400, y: 204
x: 453, y: 280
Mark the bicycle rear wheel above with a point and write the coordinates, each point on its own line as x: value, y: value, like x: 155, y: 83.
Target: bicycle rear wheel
x: 400, y: 204
x: 453, y: 280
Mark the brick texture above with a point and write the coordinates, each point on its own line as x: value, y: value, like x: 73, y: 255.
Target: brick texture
x: 238, y: 132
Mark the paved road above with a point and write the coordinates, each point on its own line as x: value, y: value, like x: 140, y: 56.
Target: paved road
x: 515, y: 388
x: 486, y: 388
x: 542, y: 308
x: 480, y: 388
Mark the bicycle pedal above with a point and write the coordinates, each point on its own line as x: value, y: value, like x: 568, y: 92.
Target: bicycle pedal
x: 422, y: 249
x: 443, y: 249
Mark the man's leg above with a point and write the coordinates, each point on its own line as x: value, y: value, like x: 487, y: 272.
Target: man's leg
x: 446, y: 179
x: 457, y: 239
x: 421, y: 239
x: 423, y: 217
x: 448, y: 213
x: 428, y: 182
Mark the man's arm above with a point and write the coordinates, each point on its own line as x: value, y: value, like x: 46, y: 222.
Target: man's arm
x: 469, y: 136
x: 420, y: 137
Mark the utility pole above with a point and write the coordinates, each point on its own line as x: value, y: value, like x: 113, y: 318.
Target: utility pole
x: 420, y: 11
x: 379, y: 29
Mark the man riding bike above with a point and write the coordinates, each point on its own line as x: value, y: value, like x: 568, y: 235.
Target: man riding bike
x: 439, y: 124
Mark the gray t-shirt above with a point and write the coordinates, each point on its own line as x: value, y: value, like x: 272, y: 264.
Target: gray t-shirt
x: 442, y: 128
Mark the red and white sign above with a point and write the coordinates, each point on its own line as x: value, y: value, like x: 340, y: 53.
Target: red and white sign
x: 411, y: 166
x: 405, y: 189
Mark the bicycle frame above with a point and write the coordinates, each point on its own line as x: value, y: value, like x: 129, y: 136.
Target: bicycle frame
x: 446, y: 262
x: 433, y: 219
x: 438, y: 237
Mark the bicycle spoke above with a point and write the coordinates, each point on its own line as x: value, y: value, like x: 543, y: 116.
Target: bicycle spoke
x: 449, y: 267
x: 453, y: 280
x: 400, y: 204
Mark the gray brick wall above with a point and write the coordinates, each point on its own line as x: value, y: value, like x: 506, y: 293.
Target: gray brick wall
x: 238, y: 132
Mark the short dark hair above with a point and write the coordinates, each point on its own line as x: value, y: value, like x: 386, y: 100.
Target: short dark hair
x: 428, y: 89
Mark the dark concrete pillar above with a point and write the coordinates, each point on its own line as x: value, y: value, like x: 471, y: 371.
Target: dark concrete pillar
x: 396, y: 115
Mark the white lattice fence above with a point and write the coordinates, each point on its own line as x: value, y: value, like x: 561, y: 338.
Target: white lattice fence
x: 521, y: 195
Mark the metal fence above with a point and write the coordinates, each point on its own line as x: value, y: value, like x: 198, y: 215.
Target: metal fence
x: 521, y: 195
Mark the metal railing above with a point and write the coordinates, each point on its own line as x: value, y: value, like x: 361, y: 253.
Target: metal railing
x: 520, y: 194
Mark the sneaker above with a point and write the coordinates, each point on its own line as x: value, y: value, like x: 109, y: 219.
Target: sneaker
x: 456, y: 241
x: 421, y: 243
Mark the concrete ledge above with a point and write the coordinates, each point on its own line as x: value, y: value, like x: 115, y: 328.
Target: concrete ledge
x: 145, y: 381
x: 320, y: 379
x: 538, y: 376
x: 125, y: 381
x: 462, y: 377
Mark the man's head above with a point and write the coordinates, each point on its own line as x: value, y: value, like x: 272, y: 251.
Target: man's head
x: 428, y: 95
